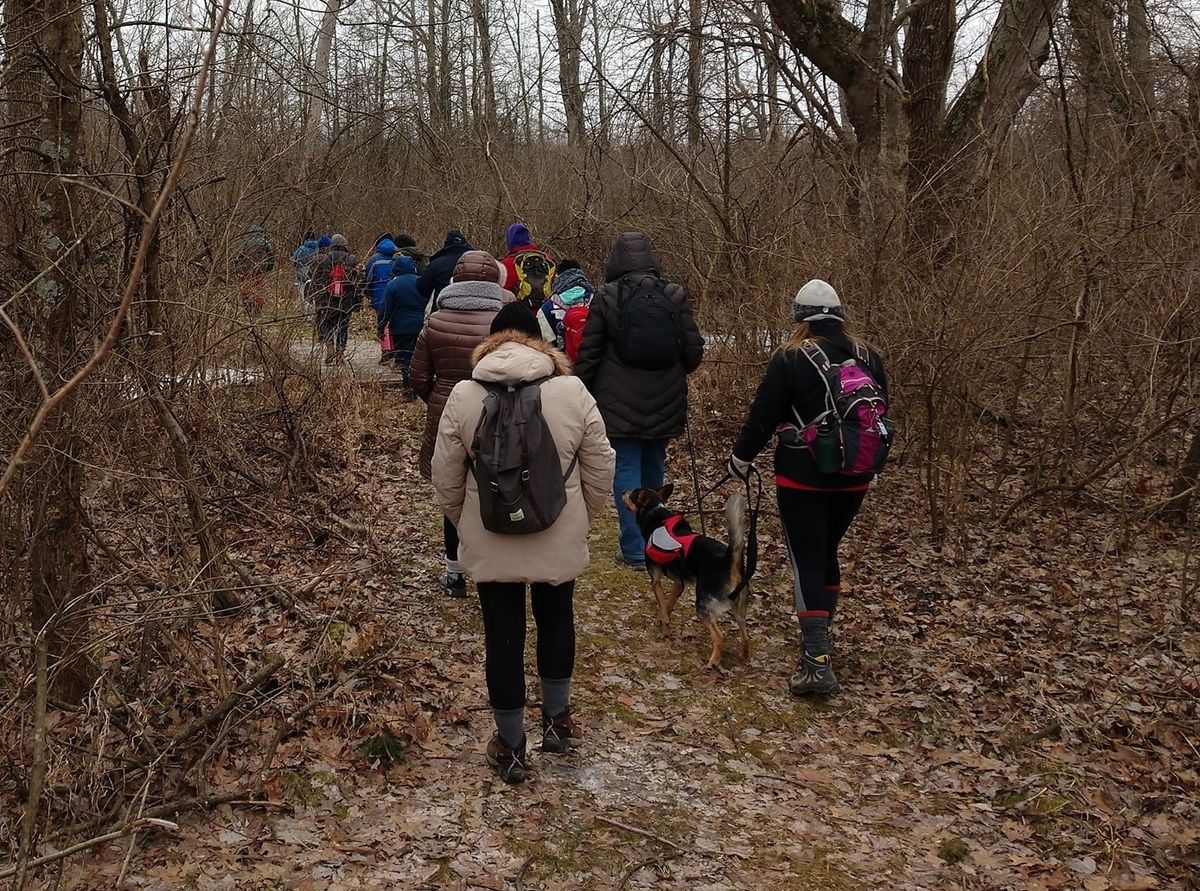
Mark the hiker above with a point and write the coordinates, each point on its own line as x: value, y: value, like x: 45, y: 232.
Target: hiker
x: 406, y: 244
x: 335, y: 291
x: 255, y: 259
x: 438, y: 272
x: 302, y: 257
x: 639, y: 345
x: 573, y: 471
x: 817, y: 501
x: 528, y: 270
x: 563, y: 316
x: 442, y: 358
x: 404, y: 315
x: 377, y: 273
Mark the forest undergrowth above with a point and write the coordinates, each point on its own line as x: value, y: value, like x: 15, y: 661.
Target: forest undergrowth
x: 1019, y: 710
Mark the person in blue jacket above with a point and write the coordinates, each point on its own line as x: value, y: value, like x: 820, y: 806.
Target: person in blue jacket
x: 302, y: 258
x: 404, y: 313
x: 376, y: 275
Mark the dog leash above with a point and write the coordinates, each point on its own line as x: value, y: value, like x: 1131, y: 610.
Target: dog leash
x: 753, y: 505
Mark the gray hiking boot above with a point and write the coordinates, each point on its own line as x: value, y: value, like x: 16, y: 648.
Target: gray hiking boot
x: 814, y: 675
x: 508, y: 762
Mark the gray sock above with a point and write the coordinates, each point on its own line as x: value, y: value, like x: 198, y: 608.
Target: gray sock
x: 556, y: 695
x: 816, y: 635
x: 511, y: 724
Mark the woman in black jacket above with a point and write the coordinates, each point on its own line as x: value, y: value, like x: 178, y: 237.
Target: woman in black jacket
x: 815, y: 508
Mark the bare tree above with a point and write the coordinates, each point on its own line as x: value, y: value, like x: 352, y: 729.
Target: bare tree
x: 570, y: 20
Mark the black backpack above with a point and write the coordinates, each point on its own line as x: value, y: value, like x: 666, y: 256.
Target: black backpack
x: 514, y: 458
x: 648, y: 330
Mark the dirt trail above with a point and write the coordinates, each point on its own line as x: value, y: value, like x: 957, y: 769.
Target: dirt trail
x: 966, y: 749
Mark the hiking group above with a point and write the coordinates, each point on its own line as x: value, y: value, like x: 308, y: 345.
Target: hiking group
x: 549, y: 398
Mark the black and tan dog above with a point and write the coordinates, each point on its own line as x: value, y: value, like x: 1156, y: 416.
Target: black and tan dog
x: 675, y: 552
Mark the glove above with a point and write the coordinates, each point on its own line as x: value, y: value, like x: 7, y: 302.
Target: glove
x: 739, y: 468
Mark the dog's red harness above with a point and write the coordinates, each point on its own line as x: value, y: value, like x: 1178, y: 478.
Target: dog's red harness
x: 666, y: 545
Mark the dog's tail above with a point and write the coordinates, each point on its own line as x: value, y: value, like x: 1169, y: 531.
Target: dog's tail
x: 736, y: 520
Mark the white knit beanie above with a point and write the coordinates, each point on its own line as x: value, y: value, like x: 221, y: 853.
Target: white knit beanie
x: 817, y: 300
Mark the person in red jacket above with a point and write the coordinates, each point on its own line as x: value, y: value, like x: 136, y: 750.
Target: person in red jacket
x: 528, y: 270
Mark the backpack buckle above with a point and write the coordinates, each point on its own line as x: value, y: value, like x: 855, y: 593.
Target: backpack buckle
x: 524, y: 476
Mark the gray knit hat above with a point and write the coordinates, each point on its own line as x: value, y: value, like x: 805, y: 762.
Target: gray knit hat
x: 817, y: 300
x: 338, y: 241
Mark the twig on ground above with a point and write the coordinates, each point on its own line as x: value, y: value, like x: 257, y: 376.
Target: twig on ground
x: 520, y: 881
x: 92, y: 843
x: 642, y: 832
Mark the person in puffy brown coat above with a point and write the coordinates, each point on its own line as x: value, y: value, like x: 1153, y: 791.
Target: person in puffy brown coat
x: 549, y: 561
x: 442, y: 358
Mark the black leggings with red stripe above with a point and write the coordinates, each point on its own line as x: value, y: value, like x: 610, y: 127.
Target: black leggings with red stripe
x: 814, y: 524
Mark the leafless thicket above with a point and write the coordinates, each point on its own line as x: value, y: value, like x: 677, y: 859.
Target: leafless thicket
x: 1006, y: 193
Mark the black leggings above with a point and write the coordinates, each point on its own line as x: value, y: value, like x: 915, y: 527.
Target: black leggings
x: 450, y: 535
x: 813, y: 524
x: 504, y: 631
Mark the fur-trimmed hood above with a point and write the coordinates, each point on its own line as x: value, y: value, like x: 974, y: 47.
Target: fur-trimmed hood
x: 512, y: 356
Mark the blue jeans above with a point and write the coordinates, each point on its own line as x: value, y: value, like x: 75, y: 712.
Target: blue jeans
x: 641, y: 464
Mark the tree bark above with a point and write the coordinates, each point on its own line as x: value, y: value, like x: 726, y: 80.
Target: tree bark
x: 694, y: 68
x: 928, y: 57
x: 1138, y: 41
x: 41, y: 83
x: 570, y: 19
x: 320, y: 98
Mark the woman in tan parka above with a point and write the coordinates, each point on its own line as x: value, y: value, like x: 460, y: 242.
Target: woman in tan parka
x: 442, y: 358
x: 548, y: 561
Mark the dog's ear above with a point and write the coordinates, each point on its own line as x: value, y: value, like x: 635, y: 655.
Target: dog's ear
x: 666, y: 492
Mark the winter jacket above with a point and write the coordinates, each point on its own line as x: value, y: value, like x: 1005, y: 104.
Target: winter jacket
x: 403, y: 307
x: 636, y: 402
x: 322, y: 280
x: 571, y: 288
x: 560, y: 553
x: 790, y: 382
x: 302, y: 256
x: 438, y: 272
x: 442, y: 356
x: 378, y: 272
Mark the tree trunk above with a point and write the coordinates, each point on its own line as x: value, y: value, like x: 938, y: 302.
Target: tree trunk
x: 694, y: 68
x: 1142, y: 76
x: 1185, y: 483
x: 480, y: 8
x: 321, y: 93
x: 1100, y: 66
x: 41, y: 83
x: 569, y: 21
x: 928, y: 57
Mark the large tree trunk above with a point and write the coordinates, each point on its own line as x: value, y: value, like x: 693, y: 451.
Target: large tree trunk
x: 928, y: 56
x: 319, y: 100
x: 42, y: 89
x: 483, y: 28
x: 570, y: 18
x: 1142, y: 76
x: 1100, y: 67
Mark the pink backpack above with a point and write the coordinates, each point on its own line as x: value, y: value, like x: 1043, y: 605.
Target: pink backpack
x: 852, y: 436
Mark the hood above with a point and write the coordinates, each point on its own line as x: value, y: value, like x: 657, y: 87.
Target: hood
x: 518, y: 236
x: 255, y: 229
x: 404, y: 240
x: 570, y: 278
x: 468, y: 296
x: 310, y: 244
x: 324, y: 242
x: 455, y: 238
x: 403, y: 265
x: 631, y: 252
x: 510, y: 356
x: 387, y: 247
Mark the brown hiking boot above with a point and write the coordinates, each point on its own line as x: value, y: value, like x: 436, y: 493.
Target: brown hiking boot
x: 508, y: 762
x: 560, y: 734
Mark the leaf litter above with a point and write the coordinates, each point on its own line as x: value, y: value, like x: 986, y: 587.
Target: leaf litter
x: 1019, y: 710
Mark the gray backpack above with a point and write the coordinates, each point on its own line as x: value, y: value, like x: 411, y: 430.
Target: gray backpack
x: 514, y: 458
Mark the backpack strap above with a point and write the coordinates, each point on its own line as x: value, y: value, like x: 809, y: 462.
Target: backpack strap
x: 820, y: 361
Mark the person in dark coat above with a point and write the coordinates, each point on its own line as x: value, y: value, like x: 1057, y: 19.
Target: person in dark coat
x: 254, y: 260
x: 406, y: 244
x: 642, y: 408
x: 335, y: 284
x: 440, y: 270
x: 815, y: 508
x: 404, y: 314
